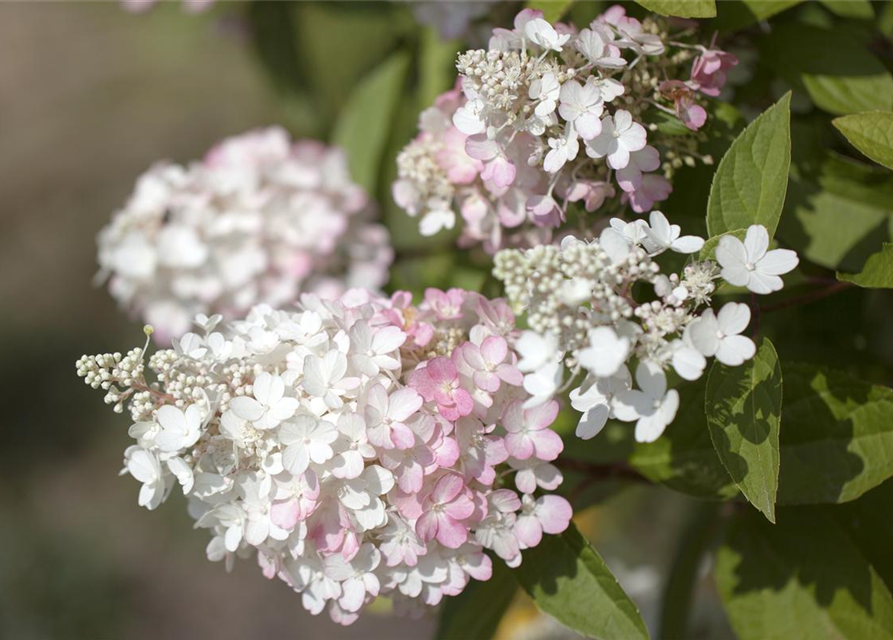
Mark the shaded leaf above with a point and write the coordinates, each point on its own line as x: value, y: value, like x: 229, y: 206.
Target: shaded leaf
x: 743, y: 407
x: 553, y: 10
x: 750, y: 182
x: 877, y: 272
x: 684, y: 458
x: 678, y: 594
x: 858, y: 9
x: 842, y: 79
x: 568, y: 580
x: 838, y: 211
x: 681, y: 8
x: 463, y: 617
x: 871, y: 133
x: 868, y: 522
x: 802, y: 578
x: 837, y: 441
x: 735, y: 14
x: 364, y: 124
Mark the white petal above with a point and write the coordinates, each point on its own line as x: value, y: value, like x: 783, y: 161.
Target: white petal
x: 734, y: 350
x: 733, y: 318
x: 777, y: 262
x: 756, y: 242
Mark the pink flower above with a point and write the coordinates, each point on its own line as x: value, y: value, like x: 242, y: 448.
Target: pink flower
x: 444, y: 509
x: 533, y: 473
x: 528, y: 432
x: 402, y: 314
x: 654, y: 188
x: 550, y: 514
x: 479, y: 450
x: 708, y: 71
x: 544, y: 211
x: 688, y: 111
x: 490, y: 363
x: 643, y: 161
x: 438, y: 380
x: 593, y: 193
x: 497, y: 168
x: 295, y: 500
x: 452, y: 158
x: 447, y: 305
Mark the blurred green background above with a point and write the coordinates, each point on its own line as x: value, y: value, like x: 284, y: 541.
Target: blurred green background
x: 90, y: 96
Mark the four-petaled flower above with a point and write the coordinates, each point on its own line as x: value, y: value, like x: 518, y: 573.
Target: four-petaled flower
x: 749, y: 264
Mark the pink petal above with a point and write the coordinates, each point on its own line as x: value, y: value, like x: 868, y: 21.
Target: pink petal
x: 450, y: 533
x: 542, y: 416
x: 519, y: 445
x: 460, y: 508
x: 547, y: 444
x: 554, y: 513
x: 441, y: 369
x: 447, y: 488
x: 529, y: 530
x: 426, y: 526
x: 494, y: 349
x: 285, y: 514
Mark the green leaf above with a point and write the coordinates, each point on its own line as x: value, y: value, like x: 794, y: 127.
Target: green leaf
x: 568, y: 580
x: 683, y: 458
x: 734, y: 14
x: 463, y: 617
x: 364, y: 124
x: 553, y: 10
x: 678, y: 592
x: 868, y: 522
x: 871, y: 133
x: 802, y: 578
x: 750, y: 182
x: 877, y: 272
x: 681, y: 8
x: 837, y: 441
x: 437, y: 66
x: 838, y: 211
x: 842, y: 79
x: 743, y: 407
x: 858, y: 9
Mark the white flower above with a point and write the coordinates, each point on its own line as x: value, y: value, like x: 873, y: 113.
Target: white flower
x: 543, y: 383
x: 608, y: 87
x: 542, y: 33
x: 183, y: 473
x: 370, y: 352
x: 619, y: 136
x: 662, y: 236
x: 594, y: 397
x: 306, y: 439
x: 536, y: 350
x: 324, y: 377
x: 582, y: 106
x: 749, y: 264
x: 357, y: 577
x: 563, y: 150
x: 606, y: 352
x: 593, y: 45
x: 144, y: 466
x: 652, y: 407
x: 717, y: 335
x: 179, y: 430
x: 688, y: 362
x: 546, y: 90
x: 439, y: 216
x: 269, y: 406
x: 614, y: 244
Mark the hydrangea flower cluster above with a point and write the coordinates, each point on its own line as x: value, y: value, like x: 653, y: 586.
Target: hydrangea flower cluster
x: 549, y: 115
x: 357, y: 447
x: 584, y: 317
x: 259, y: 220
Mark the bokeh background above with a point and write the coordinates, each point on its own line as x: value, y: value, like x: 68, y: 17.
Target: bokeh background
x: 90, y: 96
